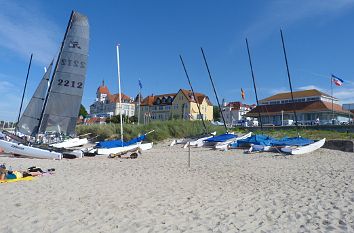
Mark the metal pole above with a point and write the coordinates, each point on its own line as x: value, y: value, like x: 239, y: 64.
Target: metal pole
x: 195, y: 98
x: 189, y: 154
x: 120, y: 96
x: 23, y: 93
x: 212, y: 83
x: 254, y: 85
x: 332, y: 100
x: 289, y: 79
x: 139, y: 105
x: 282, y: 117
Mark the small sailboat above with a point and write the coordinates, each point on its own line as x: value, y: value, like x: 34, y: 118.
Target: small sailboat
x: 219, y: 141
x: 57, y: 108
x: 297, y: 145
x: 115, y: 148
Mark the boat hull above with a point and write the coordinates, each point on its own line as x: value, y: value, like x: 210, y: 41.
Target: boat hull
x: 73, y: 142
x: 224, y: 145
x: 304, y: 149
x: 29, y: 151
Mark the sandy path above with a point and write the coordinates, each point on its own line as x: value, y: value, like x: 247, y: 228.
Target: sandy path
x: 221, y: 192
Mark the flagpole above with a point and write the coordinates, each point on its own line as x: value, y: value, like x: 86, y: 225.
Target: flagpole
x: 120, y: 96
x: 332, y: 100
x: 139, y: 104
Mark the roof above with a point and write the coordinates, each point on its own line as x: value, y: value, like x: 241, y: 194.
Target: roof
x: 314, y: 106
x: 296, y: 94
x: 150, y: 100
x: 115, y: 98
x: 200, y: 97
x: 94, y: 120
x: 103, y: 89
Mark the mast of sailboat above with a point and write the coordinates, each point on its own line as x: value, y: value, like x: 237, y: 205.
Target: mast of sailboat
x: 24, y: 91
x: 291, y: 88
x: 195, y: 98
x: 119, y: 96
x: 212, y: 83
x: 254, y: 84
x: 55, y: 69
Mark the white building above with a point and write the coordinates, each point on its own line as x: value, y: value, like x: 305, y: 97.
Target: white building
x: 234, y: 112
x: 108, y: 104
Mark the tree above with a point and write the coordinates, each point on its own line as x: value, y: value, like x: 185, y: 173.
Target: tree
x: 133, y: 119
x: 216, y: 113
x: 83, y: 111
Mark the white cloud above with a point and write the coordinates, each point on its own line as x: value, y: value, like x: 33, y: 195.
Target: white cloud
x: 311, y: 87
x: 25, y: 29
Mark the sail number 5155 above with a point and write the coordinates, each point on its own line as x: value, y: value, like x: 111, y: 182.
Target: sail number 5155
x: 74, y: 63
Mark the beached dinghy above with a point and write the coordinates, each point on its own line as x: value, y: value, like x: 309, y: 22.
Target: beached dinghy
x: 298, y: 150
x: 198, y: 142
x: 69, y: 143
x: 28, y: 151
x: 211, y: 142
x: 224, y: 145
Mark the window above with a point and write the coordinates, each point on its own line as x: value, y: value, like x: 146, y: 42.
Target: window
x: 161, y: 108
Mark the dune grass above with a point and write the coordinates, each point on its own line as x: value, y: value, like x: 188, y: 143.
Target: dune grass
x: 183, y: 129
x: 163, y: 130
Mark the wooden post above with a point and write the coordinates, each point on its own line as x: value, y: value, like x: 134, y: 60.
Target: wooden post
x: 189, y: 154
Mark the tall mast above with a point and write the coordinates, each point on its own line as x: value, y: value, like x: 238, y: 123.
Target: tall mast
x: 195, y: 98
x: 120, y: 96
x: 254, y: 84
x: 24, y: 91
x: 212, y: 83
x: 291, y: 88
x: 55, y: 69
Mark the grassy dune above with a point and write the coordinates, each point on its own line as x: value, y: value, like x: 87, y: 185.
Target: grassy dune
x: 180, y: 129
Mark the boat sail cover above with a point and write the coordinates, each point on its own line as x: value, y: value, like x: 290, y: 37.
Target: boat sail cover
x: 29, y: 120
x: 67, y: 85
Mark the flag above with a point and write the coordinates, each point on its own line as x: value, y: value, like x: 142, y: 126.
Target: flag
x: 337, y: 81
x: 140, y: 85
x: 242, y: 94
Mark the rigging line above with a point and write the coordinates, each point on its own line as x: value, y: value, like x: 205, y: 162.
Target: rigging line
x: 216, y: 95
x: 195, y: 98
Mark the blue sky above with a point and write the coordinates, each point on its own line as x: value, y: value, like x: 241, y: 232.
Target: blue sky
x: 318, y: 36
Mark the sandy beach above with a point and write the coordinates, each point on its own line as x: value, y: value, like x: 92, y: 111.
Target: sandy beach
x: 221, y: 192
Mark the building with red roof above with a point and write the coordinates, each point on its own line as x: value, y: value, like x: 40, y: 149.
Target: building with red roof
x: 180, y: 105
x: 311, y: 106
x: 108, y: 104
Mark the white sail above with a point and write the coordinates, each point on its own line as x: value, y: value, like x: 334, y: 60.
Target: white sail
x: 29, y: 120
x: 65, y: 93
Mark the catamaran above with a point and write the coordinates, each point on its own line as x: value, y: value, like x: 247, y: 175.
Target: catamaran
x: 289, y: 145
x: 57, y: 108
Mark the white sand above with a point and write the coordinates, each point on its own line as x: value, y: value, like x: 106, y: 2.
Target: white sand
x: 221, y: 192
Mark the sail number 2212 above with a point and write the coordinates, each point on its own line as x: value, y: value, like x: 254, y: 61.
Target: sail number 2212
x: 67, y: 83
